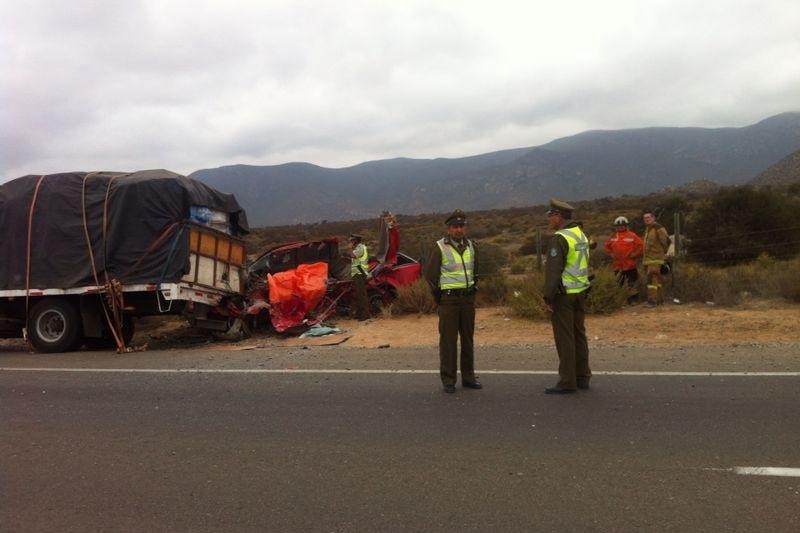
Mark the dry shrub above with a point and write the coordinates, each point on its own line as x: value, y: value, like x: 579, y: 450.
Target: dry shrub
x: 704, y: 284
x: 525, y: 297
x: 526, y: 300
x: 492, y: 290
x: 520, y: 265
x: 606, y: 296
x: 489, y: 258
x: 691, y: 282
x: 415, y: 298
x: 787, y: 282
x: 764, y: 277
x: 388, y: 311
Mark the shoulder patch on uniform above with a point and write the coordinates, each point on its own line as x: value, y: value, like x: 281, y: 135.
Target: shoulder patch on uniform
x: 553, y: 252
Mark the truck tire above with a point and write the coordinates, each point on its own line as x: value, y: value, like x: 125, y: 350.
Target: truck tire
x: 54, y: 326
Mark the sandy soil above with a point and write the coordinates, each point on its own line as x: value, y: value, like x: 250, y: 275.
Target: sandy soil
x: 762, y: 336
x: 668, y: 326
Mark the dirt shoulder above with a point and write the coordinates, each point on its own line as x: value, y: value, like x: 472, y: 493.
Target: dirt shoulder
x: 666, y: 326
x: 762, y: 336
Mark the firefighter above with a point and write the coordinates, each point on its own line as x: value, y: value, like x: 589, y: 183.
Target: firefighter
x: 451, y: 275
x: 625, y: 247
x: 565, y: 289
x: 358, y: 271
x: 656, y: 243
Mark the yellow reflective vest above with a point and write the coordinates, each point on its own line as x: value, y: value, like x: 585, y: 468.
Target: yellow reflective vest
x: 575, y: 276
x: 358, y: 264
x: 457, y: 271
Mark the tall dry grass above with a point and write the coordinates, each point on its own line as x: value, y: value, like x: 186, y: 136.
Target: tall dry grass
x: 763, y: 278
x: 415, y: 298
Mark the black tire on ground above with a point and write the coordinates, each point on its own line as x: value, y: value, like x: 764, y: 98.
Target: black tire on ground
x: 54, y: 326
x: 380, y: 299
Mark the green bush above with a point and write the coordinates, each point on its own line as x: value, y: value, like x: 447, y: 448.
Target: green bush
x: 415, y: 298
x: 520, y: 265
x: 526, y: 300
x: 737, y: 225
x: 492, y: 290
x: 606, y: 296
x: 525, y: 297
x: 490, y: 258
x: 692, y: 282
x: 532, y: 246
x: 764, y: 278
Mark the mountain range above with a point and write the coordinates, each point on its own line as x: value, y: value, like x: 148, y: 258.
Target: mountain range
x: 588, y: 165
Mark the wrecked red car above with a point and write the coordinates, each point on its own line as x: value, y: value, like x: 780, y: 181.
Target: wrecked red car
x: 299, y: 284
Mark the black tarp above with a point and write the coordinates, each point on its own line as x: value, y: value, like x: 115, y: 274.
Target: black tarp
x: 141, y: 206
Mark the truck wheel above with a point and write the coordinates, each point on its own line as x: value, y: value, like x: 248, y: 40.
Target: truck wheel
x: 54, y: 326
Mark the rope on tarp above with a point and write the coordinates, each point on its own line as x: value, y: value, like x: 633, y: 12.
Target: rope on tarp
x: 28, y: 260
x: 113, y: 291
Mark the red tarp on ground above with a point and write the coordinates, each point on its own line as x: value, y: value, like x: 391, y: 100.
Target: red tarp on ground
x: 294, y: 293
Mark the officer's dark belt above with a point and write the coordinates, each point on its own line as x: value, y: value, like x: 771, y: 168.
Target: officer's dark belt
x: 456, y: 292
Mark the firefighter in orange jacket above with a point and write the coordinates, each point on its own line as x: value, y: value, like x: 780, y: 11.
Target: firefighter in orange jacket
x: 625, y: 247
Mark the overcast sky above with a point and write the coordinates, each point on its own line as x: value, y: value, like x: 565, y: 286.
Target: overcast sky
x: 184, y: 85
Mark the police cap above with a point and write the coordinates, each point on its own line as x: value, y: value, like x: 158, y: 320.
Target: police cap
x: 456, y: 217
x: 557, y: 207
x: 356, y: 237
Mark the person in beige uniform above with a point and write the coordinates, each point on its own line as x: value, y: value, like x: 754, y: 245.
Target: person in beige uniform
x: 656, y: 244
x: 451, y: 275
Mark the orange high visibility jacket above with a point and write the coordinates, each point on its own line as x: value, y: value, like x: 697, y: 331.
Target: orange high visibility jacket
x: 625, y: 248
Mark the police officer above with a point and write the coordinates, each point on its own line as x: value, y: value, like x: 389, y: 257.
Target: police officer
x: 451, y: 275
x: 565, y: 286
x: 358, y: 271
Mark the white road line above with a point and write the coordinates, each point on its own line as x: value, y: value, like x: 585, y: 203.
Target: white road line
x: 378, y: 371
x: 767, y: 471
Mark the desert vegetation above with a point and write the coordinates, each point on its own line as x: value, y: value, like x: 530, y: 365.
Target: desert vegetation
x: 737, y: 243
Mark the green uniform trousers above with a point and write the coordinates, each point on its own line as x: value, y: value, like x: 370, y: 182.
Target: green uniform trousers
x: 456, y: 318
x: 360, y: 302
x: 570, y: 337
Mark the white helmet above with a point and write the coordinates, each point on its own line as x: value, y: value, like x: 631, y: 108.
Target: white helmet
x: 620, y: 221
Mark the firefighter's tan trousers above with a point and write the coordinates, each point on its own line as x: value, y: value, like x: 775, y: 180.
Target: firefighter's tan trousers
x: 655, y: 284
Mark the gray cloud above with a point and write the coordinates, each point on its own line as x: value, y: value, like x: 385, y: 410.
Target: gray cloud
x: 186, y: 85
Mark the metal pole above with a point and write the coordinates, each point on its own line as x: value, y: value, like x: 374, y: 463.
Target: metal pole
x: 538, y: 250
x: 677, y: 245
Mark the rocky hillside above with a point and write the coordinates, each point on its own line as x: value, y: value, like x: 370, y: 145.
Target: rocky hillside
x: 784, y: 172
x: 589, y: 165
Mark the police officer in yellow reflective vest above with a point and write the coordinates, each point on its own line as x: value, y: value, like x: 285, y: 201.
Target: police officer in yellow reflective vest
x: 358, y: 271
x: 451, y: 275
x: 565, y: 289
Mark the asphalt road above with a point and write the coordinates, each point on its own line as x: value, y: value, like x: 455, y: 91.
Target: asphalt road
x: 226, y: 452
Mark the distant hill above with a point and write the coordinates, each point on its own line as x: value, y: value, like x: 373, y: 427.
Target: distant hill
x: 784, y: 172
x: 588, y: 165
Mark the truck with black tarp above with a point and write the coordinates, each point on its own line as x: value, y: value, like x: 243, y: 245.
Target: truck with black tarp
x: 82, y: 254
